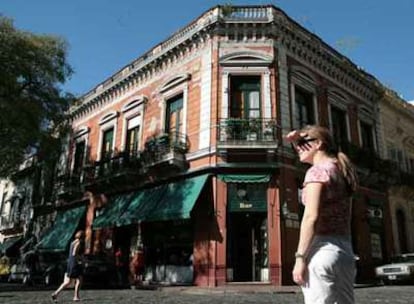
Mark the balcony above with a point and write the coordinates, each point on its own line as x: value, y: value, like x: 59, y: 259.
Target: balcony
x: 404, y: 185
x: 372, y: 170
x: 26, y: 167
x: 166, y: 151
x: 258, y: 14
x: 68, y: 186
x: 114, y: 172
x: 10, y: 224
x: 5, y: 222
x: 252, y: 135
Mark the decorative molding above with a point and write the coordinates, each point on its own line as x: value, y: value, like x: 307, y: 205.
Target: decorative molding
x: 174, y: 81
x: 246, y: 58
x: 302, y: 74
x: 339, y: 97
x: 136, y: 101
x: 81, y: 131
x: 108, y: 117
x: 366, y: 115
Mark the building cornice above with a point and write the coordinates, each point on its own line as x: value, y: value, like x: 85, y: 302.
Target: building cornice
x: 250, y: 23
x: 319, y: 55
x: 391, y: 99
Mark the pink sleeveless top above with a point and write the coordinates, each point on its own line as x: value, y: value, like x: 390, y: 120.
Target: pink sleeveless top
x: 335, y: 206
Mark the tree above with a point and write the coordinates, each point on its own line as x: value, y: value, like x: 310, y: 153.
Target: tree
x: 32, y: 104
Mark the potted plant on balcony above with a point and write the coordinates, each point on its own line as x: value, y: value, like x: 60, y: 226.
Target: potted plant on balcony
x: 269, y: 131
x: 232, y: 127
x: 253, y: 129
x: 179, y: 142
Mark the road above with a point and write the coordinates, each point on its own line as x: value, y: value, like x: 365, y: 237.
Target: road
x: 377, y: 295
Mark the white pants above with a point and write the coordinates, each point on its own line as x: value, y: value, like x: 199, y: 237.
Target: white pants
x: 331, y: 271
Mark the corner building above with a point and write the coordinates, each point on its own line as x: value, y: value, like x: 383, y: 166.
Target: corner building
x: 180, y: 153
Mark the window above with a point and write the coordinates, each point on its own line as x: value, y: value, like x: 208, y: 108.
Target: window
x: 400, y: 159
x: 107, y: 141
x: 367, y: 140
x: 175, y: 118
x: 79, y: 158
x: 339, y: 127
x: 392, y: 152
x: 402, y: 234
x: 132, y: 136
x: 245, y: 97
x: 411, y: 164
x: 132, y: 122
x: 305, y: 113
x: 397, y: 156
x: 108, y: 129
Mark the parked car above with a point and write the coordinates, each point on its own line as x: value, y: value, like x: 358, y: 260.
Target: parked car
x: 99, y: 271
x: 401, y: 269
x: 47, y: 269
x: 19, y: 273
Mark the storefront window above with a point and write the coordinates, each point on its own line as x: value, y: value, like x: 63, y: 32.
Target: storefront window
x: 168, y: 242
x: 169, y: 251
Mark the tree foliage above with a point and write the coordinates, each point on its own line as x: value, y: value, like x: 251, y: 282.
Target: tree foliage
x: 32, y: 104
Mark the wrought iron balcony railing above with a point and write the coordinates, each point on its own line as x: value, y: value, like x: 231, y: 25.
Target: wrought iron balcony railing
x: 253, y: 132
x: 68, y: 185
x: 122, y: 163
x: 372, y: 170
x: 165, y: 147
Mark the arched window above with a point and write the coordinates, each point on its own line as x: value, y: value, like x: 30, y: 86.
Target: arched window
x: 107, y: 135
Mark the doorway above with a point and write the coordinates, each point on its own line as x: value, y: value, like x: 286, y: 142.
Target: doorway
x: 247, y: 250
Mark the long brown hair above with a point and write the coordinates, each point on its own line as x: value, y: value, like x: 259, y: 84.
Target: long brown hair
x: 328, y: 145
x: 80, y: 234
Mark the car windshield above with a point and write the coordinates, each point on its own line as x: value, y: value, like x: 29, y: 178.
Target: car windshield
x: 403, y: 258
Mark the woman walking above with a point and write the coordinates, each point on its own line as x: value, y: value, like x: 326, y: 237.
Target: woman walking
x: 74, y: 268
x: 325, y: 263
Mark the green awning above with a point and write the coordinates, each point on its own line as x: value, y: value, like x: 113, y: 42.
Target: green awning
x: 166, y: 202
x: 59, y: 235
x: 244, y: 178
x: 178, y: 200
x: 115, y: 207
x: 141, y: 205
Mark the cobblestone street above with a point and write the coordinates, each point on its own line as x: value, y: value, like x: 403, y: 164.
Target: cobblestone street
x: 378, y: 295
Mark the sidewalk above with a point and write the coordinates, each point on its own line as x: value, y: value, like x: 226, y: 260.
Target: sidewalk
x: 231, y: 288
x: 247, y: 288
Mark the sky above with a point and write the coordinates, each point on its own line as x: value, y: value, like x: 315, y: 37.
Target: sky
x: 104, y: 36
